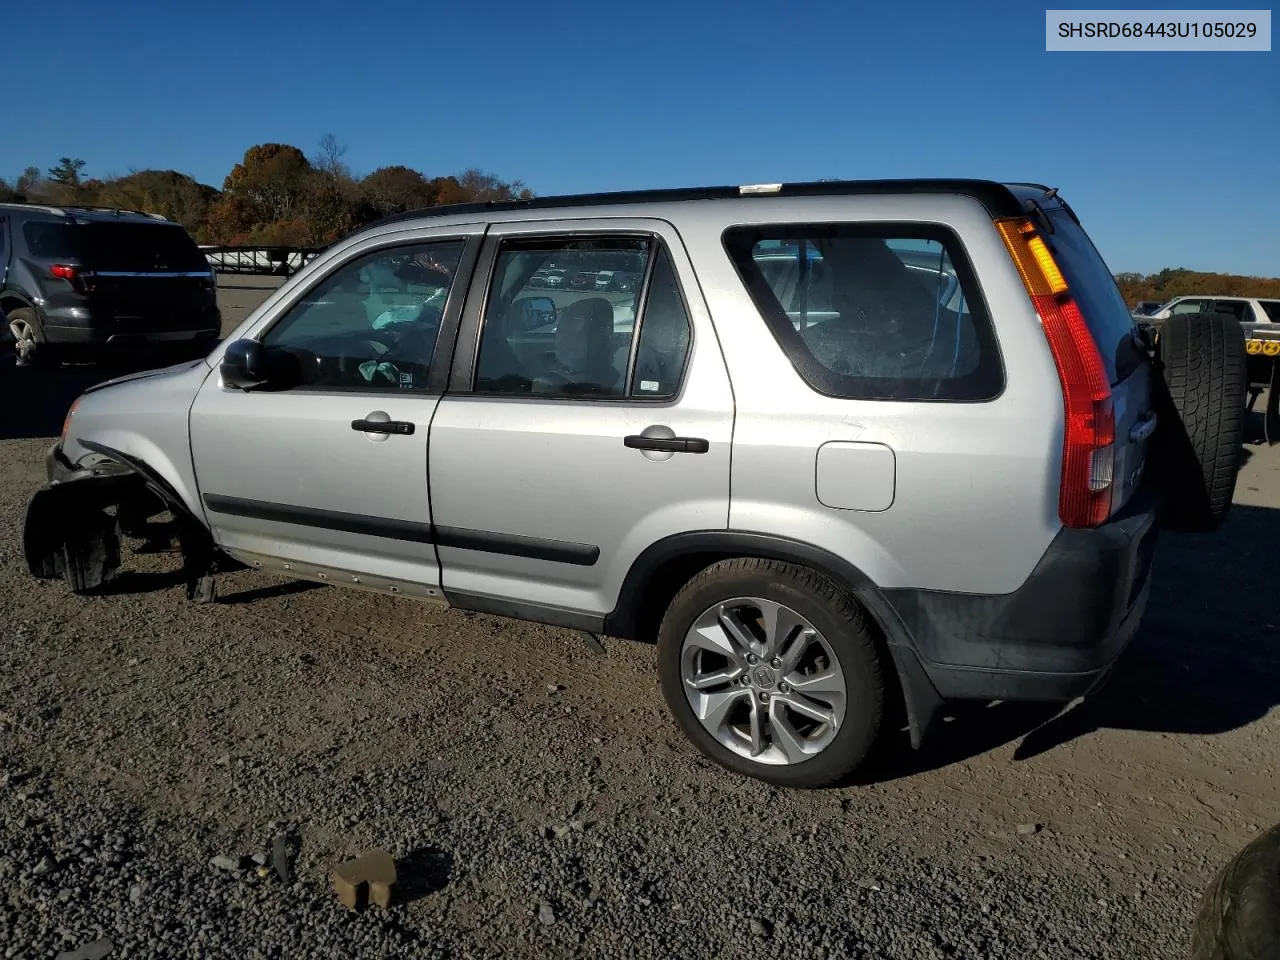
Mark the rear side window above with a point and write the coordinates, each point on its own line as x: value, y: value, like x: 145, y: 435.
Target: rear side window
x: 872, y: 312
x: 141, y: 247
x: 47, y: 240
x: 1096, y: 293
x: 1272, y: 308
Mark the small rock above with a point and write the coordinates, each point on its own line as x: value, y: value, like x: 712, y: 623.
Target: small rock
x: 577, y: 826
x: 554, y: 688
x: 46, y: 865
x: 546, y: 915
x: 228, y: 863
x: 260, y: 859
x: 138, y: 892
x: 761, y: 927
x: 561, y: 831
x: 1026, y: 829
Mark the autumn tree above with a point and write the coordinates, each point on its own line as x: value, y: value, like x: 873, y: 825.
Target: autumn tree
x: 397, y: 188
x: 166, y: 192
x: 272, y: 178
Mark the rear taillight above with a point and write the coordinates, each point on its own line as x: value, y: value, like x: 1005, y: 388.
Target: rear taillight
x: 78, y: 277
x: 1088, y: 451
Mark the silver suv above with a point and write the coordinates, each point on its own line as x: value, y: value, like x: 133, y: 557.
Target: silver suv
x: 845, y: 451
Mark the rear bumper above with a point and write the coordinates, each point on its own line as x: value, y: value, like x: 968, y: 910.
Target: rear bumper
x: 1055, y: 637
x: 79, y: 326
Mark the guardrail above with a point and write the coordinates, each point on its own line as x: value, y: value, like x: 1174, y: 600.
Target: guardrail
x: 269, y: 260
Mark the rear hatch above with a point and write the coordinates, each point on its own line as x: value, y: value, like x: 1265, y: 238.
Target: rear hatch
x: 150, y: 276
x: 1114, y: 332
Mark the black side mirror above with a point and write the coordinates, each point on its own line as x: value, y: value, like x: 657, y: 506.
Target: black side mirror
x: 248, y: 365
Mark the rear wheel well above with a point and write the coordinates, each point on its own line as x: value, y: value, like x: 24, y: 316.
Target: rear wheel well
x: 661, y: 585
x: 9, y: 303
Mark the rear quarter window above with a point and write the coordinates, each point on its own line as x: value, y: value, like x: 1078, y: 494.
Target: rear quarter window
x: 872, y: 311
x: 47, y: 240
x: 1096, y: 293
x: 1272, y: 309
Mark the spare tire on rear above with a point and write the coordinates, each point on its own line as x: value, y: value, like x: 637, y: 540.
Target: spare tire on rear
x: 1200, y: 397
x: 1239, y: 915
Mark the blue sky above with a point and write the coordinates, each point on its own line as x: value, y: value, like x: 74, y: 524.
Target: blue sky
x: 1171, y: 159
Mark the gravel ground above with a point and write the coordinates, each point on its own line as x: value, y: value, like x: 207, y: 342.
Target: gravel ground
x: 542, y: 804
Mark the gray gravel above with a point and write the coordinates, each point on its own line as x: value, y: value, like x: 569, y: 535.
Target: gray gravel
x: 159, y: 759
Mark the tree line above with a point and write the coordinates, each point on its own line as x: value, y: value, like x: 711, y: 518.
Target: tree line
x: 1179, y: 282
x: 276, y: 194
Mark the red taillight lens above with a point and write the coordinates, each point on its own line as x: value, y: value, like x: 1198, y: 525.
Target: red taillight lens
x: 1088, y: 449
x: 79, y: 278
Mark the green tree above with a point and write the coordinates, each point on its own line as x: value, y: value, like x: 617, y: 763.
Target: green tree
x: 67, y: 172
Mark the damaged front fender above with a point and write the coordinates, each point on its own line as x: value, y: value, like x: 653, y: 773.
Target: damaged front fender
x: 75, y: 524
x: 70, y: 531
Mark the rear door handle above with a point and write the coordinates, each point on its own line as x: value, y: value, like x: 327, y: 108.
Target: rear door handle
x: 667, y: 444
x: 399, y: 427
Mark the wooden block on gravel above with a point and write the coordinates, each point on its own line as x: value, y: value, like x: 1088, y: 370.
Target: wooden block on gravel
x: 367, y: 879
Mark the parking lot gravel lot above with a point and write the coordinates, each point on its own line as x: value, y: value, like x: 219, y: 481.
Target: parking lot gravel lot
x: 542, y: 803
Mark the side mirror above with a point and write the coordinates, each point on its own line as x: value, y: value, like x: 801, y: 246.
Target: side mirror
x: 534, y: 312
x: 248, y: 365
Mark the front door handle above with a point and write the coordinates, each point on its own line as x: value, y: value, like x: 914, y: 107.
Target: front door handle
x: 401, y: 428
x: 667, y: 444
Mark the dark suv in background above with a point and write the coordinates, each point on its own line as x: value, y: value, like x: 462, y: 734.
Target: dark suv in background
x: 76, y: 282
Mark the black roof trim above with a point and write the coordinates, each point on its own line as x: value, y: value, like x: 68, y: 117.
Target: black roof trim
x: 996, y: 197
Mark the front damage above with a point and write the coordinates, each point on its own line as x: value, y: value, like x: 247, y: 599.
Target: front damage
x: 78, y: 522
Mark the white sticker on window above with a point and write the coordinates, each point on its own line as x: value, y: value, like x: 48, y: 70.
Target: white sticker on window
x: 648, y: 384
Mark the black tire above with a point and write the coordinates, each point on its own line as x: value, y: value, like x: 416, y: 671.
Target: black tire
x: 827, y: 607
x: 1239, y: 916
x: 1200, y: 405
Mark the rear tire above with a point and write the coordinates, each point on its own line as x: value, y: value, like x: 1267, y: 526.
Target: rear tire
x: 825, y: 663
x: 1239, y: 916
x: 29, y: 348
x: 1200, y: 405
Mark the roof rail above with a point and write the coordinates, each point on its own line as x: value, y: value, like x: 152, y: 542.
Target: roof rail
x: 68, y: 209
x: 95, y: 208
x: 995, y: 195
x: 47, y: 208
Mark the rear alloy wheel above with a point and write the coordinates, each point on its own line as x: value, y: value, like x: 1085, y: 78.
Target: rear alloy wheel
x: 772, y: 671
x: 28, y: 351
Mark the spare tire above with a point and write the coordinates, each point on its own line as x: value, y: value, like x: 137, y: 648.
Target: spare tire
x: 1200, y: 395
x: 1239, y: 916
